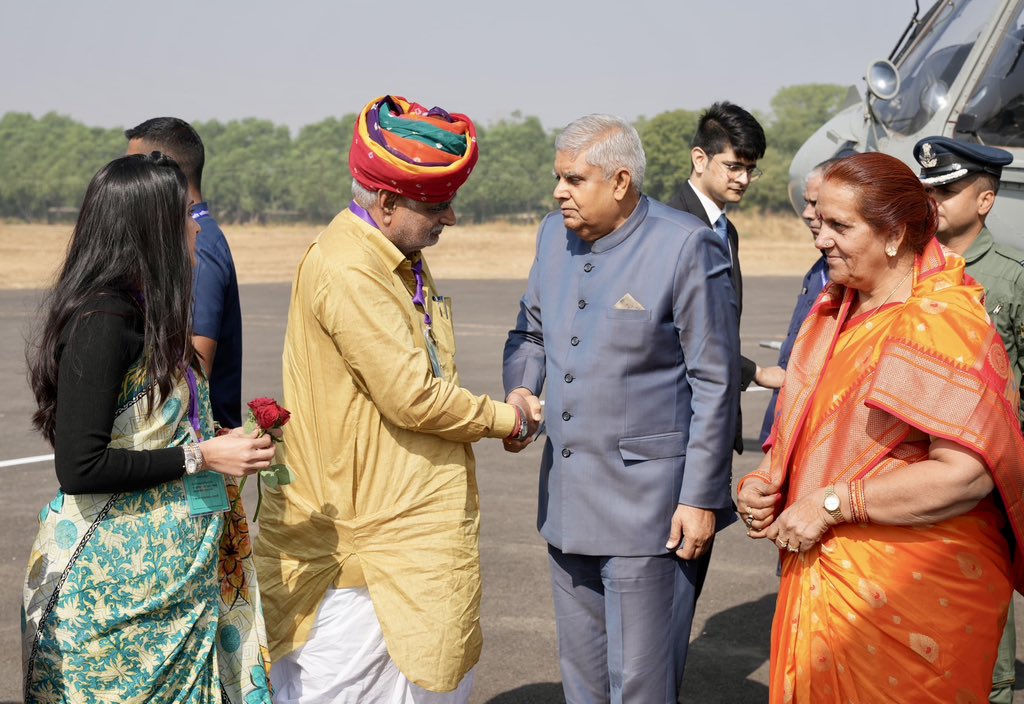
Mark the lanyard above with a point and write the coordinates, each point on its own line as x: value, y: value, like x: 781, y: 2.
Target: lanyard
x: 417, y: 268
x: 193, y: 406
x: 361, y: 213
x: 419, y: 298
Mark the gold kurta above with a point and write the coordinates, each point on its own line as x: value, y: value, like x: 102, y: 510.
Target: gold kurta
x: 385, y: 491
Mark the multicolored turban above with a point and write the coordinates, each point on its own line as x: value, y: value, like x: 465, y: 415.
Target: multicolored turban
x: 402, y: 147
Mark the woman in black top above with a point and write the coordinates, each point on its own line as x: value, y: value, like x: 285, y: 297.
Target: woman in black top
x: 139, y: 585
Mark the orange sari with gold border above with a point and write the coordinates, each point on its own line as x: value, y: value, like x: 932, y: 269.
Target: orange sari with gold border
x: 888, y: 613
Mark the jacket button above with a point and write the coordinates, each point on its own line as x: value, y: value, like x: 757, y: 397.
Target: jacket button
x: 566, y: 415
x: 566, y: 452
x: 588, y: 267
x: 574, y: 341
x: 568, y: 378
x: 582, y: 304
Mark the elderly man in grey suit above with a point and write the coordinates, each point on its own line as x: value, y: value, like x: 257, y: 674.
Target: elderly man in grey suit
x: 630, y: 316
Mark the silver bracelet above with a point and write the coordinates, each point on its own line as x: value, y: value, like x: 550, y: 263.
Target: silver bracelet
x: 524, y: 429
x: 194, y: 462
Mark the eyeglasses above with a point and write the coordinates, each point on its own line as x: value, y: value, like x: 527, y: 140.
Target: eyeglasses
x: 735, y: 169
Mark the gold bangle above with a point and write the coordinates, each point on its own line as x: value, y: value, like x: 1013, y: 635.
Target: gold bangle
x: 858, y: 502
x: 756, y: 474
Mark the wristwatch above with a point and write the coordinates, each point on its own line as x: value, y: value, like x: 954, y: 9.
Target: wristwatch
x: 831, y: 503
x: 193, y: 459
x: 524, y: 428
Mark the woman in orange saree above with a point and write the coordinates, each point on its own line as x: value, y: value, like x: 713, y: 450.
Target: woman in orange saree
x: 892, y: 479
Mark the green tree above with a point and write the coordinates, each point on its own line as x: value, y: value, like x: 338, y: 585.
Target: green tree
x: 513, y: 175
x: 246, y: 174
x: 48, y: 162
x: 318, y: 168
x: 798, y: 111
x: 256, y: 169
x: 666, y: 138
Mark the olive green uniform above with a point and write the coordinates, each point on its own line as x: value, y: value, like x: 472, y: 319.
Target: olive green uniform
x: 1000, y: 269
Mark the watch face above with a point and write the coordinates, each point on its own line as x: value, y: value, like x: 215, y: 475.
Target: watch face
x: 831, y: 502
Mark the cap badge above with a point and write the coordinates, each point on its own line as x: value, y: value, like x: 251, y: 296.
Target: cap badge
x: 927, y: 157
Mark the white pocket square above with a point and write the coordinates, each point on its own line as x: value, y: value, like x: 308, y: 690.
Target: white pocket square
x: 627, y: 302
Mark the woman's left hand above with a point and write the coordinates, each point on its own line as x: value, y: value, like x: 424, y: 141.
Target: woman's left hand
x: 800, y: 527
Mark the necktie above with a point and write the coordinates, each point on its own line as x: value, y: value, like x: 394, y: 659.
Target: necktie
x: 722, y: 228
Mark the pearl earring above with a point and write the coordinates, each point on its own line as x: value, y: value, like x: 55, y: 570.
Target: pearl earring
x: 890, y: 250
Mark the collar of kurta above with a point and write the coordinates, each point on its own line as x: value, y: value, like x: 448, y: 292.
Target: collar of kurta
x: 384, y: 247
x: 980, y: 246
x: 619, y: 234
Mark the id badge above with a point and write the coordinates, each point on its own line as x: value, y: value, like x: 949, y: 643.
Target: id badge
x: 435, y: 361
x: 206, y: 493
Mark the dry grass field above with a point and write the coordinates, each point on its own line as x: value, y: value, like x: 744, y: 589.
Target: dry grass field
x: 769, y: 245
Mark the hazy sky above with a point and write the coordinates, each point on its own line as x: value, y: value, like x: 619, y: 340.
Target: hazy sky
x: 114, y: 63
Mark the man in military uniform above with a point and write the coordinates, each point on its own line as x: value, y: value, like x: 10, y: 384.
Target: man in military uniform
x: 964, y: 178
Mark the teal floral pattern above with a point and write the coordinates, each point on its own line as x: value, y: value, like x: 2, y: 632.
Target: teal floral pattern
x: 123, y: 598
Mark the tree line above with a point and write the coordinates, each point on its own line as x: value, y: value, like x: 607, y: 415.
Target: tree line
x: 257, y: 171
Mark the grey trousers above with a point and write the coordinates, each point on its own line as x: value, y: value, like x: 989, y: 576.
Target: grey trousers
x: 623, y: 625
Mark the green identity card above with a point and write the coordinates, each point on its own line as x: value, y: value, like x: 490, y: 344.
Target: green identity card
x: 206, y: 493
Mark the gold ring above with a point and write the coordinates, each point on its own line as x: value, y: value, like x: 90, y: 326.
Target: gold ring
x: 791, y: 548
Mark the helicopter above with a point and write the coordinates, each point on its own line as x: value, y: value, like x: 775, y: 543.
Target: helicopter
x: 957, y: 71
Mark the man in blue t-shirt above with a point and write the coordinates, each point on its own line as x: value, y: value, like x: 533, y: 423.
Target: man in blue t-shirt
x: 217, y: 314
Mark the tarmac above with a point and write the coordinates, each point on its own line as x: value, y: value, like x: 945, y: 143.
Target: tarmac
x: 728, y: 659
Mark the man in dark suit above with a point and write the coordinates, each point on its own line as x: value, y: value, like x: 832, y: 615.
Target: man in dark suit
x: 723, y: 158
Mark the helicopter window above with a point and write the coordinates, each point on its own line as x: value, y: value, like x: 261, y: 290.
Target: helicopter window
x: 996, y: 110
x: 933, y: 63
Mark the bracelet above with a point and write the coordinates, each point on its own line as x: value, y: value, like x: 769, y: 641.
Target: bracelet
x: 519, y: 430
x: 858, y: 503
x: 194, y: 461
x: 756, y: 474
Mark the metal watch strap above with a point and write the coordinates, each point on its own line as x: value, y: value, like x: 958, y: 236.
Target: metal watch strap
x: 837, y: 512
x: 193, y: 459
x: 524, y: 430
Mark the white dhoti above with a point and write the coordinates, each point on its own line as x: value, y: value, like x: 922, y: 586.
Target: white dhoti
x: 345, y: 661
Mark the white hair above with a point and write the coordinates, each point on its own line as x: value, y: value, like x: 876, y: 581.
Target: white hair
x: 609, y: 143
x: 362, y: 195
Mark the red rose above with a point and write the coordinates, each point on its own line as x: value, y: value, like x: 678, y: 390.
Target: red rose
x: 268, y: 414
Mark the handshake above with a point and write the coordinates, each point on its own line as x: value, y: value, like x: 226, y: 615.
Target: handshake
x: 529, y: 405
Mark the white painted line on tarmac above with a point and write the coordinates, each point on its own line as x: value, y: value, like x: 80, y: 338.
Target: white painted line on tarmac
x: 26, y: 460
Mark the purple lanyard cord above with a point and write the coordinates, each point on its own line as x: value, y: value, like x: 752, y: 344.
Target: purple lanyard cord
x: 417, y: 269
x: 193, y: 406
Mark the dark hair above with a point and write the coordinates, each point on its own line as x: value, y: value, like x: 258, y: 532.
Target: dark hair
x: 178, y: 140
x: 129, y: 240
x: 987, y: 182
x: 725, y: 125
x: 890, y: 196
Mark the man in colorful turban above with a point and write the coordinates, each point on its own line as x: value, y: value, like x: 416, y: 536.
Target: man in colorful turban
x: 371, y: 556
